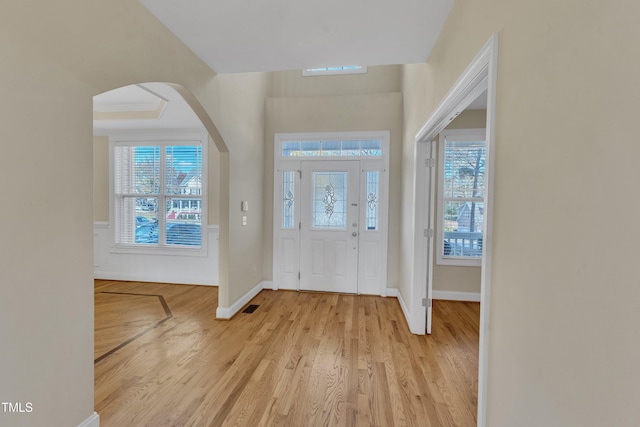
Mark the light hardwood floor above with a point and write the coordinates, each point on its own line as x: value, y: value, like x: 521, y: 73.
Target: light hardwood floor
x: 301, y: 359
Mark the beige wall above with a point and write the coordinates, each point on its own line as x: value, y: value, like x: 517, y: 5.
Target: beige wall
x: 49, y: 73
x: 46, y: 308
x: 564, y: 293
x: 453, y: 278
x: 415, y: 87
x: 214, y: 184
x: 101, y: 180
x: 372, y: 105
x: 240, y: 114
x: 378, y: 79
x: 562, y: 310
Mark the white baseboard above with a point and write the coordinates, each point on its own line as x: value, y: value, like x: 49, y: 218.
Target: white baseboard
x: 392, y: 292
x: 155, y: 278
x: 457, y: 296
x: 268, y: 284
x: 403, y: 305
x: 92, y: 421
x: 228, y: 312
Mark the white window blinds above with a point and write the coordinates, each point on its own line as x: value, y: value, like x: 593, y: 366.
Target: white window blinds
x: 461, y: 207
x: 158, y: 194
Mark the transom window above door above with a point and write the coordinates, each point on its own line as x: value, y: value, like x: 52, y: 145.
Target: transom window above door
x: 333, y: 148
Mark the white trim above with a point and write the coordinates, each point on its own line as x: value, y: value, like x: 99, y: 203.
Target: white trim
x: 144, y: 131
x: 268, y: 284
x: 481, y: 74
x: 457, y: 296
x: 127, y: 277
x: 92, y: 421
x: 228, y: 312
x: 403, y: 306
x: 485, y: 286
x: 155, y: 267
x: 392, y: 292
x: 431, y: 241
x: 473, y: 81
x: 420, y: 270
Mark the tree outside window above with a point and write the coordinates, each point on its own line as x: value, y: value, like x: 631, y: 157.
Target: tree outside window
x: 461, y: 196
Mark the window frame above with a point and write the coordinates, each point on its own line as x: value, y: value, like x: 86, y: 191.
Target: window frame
x: 334, y: 71
x: 460, y: 135
x: 163, y: 140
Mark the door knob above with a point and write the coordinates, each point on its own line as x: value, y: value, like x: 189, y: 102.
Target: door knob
x: 354, y: 234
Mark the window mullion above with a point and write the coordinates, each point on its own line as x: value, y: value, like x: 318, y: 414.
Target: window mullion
x: 463, y: 199
x: 162, y: 201
x: 188, y: 196
x: 143, y: 195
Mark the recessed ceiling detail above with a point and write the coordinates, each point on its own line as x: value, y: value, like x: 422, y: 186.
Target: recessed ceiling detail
x: 144, y: 107
x: 133, y: 102
x: 248, y: 35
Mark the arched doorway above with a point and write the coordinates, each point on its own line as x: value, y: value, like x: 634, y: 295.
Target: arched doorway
x: 156, y: 188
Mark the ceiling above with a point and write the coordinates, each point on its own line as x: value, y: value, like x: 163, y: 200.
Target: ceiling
x: 149, y: 106
x: 272, y: 35
x: 157, y: 106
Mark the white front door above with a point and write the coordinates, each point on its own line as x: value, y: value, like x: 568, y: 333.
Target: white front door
x: 329, y: 226
x: 330, y: 212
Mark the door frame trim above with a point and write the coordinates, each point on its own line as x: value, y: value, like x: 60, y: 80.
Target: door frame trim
x: 481, y: 74
x: 279, y: 160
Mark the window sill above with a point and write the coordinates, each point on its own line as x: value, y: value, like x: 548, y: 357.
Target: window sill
x: 460, y: 261
x: 200, y: 251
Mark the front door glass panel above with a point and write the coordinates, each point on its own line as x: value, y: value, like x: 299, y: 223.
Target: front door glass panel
x: 329, y: 209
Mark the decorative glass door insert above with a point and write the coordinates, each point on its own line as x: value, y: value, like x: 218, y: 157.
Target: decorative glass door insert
x: 288, y: 199
x: 329, y: 210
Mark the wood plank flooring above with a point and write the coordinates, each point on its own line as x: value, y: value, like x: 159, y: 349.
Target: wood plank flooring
x: 301, y: 359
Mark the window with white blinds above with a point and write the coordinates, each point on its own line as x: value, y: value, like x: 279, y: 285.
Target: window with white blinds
x: 158, y: 193
x: 461, y: 178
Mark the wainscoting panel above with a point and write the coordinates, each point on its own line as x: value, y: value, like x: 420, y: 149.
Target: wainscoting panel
x: 192, y: 270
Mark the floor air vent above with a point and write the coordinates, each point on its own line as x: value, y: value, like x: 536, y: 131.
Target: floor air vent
x: 251, y: 308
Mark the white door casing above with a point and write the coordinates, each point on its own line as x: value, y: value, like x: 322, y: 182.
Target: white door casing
x: 429, y: 153
x: 310, y: 257
x: 480, y: 75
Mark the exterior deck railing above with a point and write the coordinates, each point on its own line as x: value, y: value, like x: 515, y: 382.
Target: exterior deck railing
x: 458, y: 243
